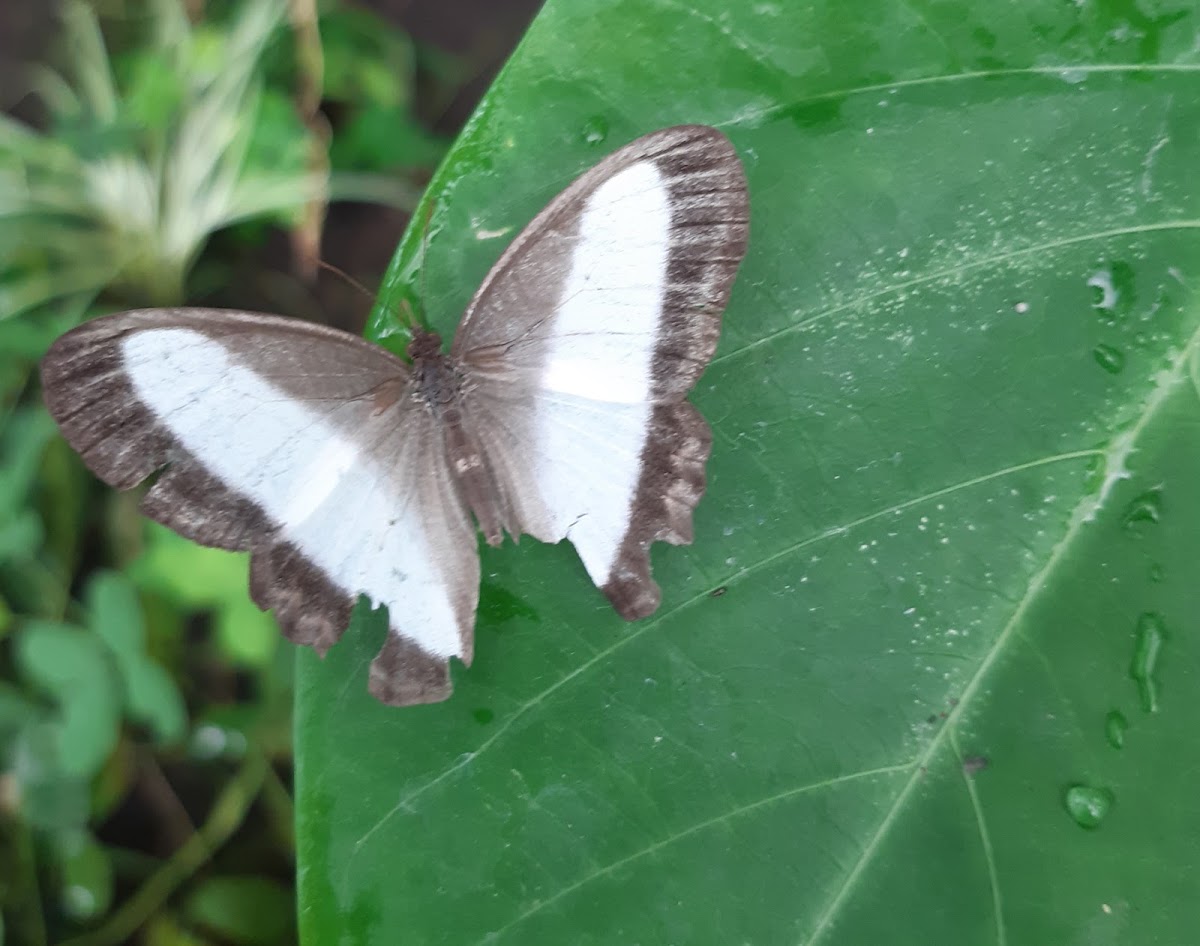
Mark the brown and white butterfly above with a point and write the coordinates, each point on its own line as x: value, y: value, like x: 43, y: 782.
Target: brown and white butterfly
x: 560, y: 412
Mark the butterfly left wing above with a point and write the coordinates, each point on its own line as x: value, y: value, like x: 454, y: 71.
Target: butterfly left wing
x: 583, y: 342
x: 298, y: 443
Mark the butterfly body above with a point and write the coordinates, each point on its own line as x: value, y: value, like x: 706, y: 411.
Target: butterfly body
x: 440, y: 386
x: 559, y: 412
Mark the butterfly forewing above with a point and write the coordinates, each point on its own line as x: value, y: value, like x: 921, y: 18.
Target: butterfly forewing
x: 584, y: 339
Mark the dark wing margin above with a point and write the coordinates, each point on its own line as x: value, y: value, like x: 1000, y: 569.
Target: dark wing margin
x: 710, y: 226
x: 671, y: 485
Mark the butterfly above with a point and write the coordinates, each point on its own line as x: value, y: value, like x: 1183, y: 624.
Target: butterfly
x: 560, y: 412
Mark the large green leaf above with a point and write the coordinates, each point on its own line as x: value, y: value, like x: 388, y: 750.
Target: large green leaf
x: 953, y: 503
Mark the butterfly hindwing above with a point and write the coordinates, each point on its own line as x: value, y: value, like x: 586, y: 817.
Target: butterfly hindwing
x: 297, y: 443
x: 584, y: 340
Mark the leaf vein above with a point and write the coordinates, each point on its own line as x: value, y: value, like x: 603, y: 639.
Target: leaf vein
x: 953, y: 271
x: 985, y: 841
x: 1115, y: 68
x: 696, y: 828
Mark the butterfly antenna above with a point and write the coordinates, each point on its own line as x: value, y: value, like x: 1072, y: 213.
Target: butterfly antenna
x: 346, y: 276
x: 406, y: 310
x: 421, y: 297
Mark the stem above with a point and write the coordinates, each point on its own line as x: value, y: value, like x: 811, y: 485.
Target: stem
x: 310, y: 68
x: 22, y: 899
x: 226, y: 816
x: 280, y: 808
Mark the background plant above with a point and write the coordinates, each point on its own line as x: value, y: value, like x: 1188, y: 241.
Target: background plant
x: 145, y: 703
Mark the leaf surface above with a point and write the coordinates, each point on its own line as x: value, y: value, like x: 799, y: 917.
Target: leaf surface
x: 954, y: 475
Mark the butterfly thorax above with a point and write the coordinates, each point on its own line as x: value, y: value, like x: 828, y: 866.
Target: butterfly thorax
x: 424, y: 345
x: 438, y: 387
x: 436, y: 382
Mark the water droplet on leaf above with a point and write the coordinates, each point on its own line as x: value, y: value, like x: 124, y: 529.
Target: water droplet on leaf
x: 1151, y: 633
x: 1110, y: 359
x: 1115, y: 725
x: 483, y: 716
x: 1088, y: 805
x: 1104, y: 296
x: 595, y: 129
x: 1112, y: 290
x: 1144, y: 508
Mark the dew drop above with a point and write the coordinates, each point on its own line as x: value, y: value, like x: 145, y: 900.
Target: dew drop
x: 595, y: 129
x: 1105, y: 293
x: 1088, y: 805
x: 1144, y: 508
x: 1147, y: 646
x: 1156, y: 573
x: 1113, y: 290
x: 1110, y: 359
x: 1115, y: 725
x: 483, y: 716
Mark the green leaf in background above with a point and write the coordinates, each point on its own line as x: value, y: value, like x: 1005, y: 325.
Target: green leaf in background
x: 25, y: 583
x: 86, y: 876
x: 151, y: 696
x: 156, y: 89
x: 369, y: 76
x: 23, y: 340
x: 17, y: 712
x: 954, y: 480
x: 200, y: 578
x: 366, y: 60
x: 249, y: 910
x: 23, y: 437
x: 48, y: 797
x: 151, y: 155
x: 74, y: 669
x: 20, y: 536
x: 380, y: 138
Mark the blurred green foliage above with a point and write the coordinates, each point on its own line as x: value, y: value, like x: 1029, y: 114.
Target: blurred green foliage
x: 145, y: 703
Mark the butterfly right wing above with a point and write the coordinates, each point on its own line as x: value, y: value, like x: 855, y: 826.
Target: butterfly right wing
x: 584, y: 340
x: 297, y: 443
